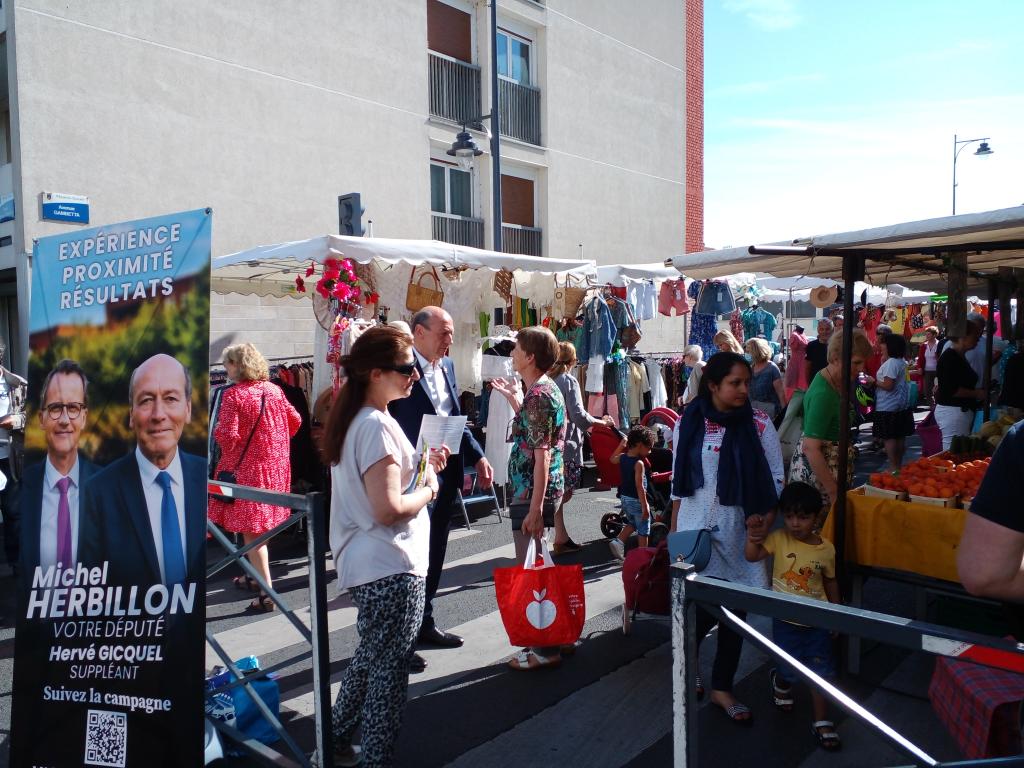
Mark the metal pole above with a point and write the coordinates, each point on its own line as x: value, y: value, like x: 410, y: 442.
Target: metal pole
x: 495, y: 127
x: 684, y: 671
x: 990, y: 333
x: 954, y: 174
x: 853, y: 270
x: 317, y: 550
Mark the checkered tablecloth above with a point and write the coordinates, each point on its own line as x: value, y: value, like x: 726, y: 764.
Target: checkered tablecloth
x: 980, y: 707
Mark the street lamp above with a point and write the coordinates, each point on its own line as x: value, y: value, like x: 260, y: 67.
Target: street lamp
x: 958, y: 147
x: 464, y: 149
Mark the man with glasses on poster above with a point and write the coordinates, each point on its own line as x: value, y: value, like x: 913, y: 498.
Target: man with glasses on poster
x: 48, y: 500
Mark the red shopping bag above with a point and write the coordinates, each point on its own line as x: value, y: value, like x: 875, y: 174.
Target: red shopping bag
x: 541, y: 605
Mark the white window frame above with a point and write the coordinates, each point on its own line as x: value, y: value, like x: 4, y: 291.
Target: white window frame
x: 511, y: 35
x: 448, y: 168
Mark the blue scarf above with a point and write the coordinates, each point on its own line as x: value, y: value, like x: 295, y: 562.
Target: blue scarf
x: 744, y: 477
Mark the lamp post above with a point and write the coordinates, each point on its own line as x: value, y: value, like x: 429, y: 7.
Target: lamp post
x: 958, y: 147
x: 464, y: 149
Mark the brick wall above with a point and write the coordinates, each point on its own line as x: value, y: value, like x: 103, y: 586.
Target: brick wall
x: 694, y: 125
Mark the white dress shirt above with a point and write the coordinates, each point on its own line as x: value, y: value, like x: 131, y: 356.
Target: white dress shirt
x: 48, y: 513
x: 154, y: 493
x: 435, y: 384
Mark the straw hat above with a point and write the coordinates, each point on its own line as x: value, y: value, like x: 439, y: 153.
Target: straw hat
x: 822, y: 297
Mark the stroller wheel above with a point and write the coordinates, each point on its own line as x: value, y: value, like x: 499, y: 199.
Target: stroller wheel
x: 659, y: 532
x: 611, y: 524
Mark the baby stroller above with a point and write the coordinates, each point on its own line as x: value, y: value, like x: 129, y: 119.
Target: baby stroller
x: 658, y: 466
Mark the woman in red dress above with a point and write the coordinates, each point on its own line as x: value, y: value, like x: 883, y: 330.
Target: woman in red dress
x: 265, y: 463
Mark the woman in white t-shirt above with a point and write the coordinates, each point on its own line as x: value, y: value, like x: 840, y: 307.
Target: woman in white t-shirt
x: 380, y: 539
x: 894, y: 417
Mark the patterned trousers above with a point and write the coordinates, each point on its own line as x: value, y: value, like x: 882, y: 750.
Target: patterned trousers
x: 374, y: 686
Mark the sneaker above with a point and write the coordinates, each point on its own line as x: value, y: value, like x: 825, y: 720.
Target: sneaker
x: 618, y: 549
x: 347, y: 754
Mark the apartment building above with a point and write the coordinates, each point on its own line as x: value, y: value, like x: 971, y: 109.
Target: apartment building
x: 267, y: 112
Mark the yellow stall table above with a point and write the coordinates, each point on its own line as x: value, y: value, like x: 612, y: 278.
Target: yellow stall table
x: 901, y: 535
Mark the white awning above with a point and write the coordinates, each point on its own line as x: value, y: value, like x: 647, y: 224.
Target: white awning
x: 910, y: 253
x: 620, y: 274
x: 271, y: 269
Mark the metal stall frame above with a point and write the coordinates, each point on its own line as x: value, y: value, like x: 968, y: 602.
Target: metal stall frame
x: 721, y: 598
x: 311, y: 509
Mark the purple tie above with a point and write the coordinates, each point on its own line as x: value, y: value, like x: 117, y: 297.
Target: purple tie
x: 64, y: 524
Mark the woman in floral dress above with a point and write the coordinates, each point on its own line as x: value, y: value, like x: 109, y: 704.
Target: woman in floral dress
x: 254, y: 425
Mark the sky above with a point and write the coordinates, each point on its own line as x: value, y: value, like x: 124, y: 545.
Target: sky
x: 824, y: 116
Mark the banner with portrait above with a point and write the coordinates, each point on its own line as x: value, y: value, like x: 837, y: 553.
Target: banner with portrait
x: 109, y: 645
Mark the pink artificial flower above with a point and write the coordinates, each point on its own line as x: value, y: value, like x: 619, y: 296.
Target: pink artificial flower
x: 300, y: 284
x: 332, y: 263
x: 310, y: 270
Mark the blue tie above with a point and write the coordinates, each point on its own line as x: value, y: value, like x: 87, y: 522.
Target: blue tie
x: 174, y: 558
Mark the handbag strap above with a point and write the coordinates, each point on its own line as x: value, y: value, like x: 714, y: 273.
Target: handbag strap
x: 263, y: 405
x: 530, y: 563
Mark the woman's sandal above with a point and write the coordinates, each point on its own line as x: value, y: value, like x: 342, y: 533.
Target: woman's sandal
x: 782, y: 697
x: 261, y: 604
x: 527, y: 659
x: 246, y: 582
x: 699, y: 688
x: 829, y: 739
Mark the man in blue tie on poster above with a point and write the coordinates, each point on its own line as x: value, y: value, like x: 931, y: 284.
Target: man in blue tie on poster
x: 145, y: 514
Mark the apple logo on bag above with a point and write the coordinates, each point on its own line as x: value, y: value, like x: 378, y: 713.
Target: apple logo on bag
x: 541, y: 613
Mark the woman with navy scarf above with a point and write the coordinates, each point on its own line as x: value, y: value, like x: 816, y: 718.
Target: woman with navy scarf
x: 727, y: 469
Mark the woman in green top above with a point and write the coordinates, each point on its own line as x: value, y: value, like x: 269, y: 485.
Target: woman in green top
x: 816, y: 461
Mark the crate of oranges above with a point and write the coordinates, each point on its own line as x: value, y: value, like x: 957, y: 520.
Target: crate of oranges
x: 886, y: 485
x: 940, y: 480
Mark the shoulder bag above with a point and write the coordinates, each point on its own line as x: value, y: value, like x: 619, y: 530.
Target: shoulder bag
x: 693, y: 546
x: 230, y: 475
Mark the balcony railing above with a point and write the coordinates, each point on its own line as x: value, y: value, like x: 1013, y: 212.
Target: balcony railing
x: 454, y: 88
x: 520, y: 111
x: 458, y: 230
x: 523, y: 240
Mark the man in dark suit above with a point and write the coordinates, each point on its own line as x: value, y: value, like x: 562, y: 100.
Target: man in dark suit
x: 146, y: 512
x: 437, y: 393
x: 48, y: 499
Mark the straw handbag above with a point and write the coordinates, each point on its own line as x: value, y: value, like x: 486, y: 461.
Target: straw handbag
x: 503, y: 283
x: 568, y: 298
x: 419, y: 295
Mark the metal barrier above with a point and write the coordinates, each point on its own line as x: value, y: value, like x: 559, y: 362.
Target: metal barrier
x: 717, y: 597
x: 310, y: 508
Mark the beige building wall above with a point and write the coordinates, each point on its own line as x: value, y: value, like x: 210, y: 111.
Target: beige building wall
x: 266, y: 112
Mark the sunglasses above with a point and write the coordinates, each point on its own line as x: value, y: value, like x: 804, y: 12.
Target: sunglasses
x: 408, y: 369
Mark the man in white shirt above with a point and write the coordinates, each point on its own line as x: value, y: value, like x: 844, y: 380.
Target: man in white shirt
x: 437, y: 393
x: 48, y: 499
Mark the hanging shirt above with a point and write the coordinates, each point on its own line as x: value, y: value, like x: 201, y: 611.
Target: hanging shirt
x: 659, y: 396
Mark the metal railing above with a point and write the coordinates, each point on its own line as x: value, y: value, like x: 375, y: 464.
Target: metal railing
x: 454, y: 88
x: 720, y: 598
x: 311, y: 510
x: 523, y: 240
x: 519, y: 107
x: 458, y: 230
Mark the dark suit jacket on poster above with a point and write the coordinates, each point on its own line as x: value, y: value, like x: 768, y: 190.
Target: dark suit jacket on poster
x: 116, y: 527
x: 409, y: 413
x: 30, y: 504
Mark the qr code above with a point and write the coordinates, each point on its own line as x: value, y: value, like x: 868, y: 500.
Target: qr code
x: 106, y: 738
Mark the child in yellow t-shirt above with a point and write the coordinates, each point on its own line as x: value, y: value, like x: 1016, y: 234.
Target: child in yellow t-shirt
x: 804, y: 566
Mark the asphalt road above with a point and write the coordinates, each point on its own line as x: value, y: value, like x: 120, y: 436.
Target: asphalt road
x: 608, y: 705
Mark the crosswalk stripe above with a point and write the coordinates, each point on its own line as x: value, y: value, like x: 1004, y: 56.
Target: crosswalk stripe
x: 486, y: 644
x: 275, y: 632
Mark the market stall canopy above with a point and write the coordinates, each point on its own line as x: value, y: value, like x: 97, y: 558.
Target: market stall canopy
x: 910, y: 253
x: 775, y: 289
x: 271, y: 269
x: 619, y: 274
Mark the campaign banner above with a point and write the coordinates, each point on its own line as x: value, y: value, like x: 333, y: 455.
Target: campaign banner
x: 109, y: 644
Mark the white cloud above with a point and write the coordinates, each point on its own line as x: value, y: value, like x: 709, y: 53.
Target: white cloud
x: 765, y: 86
x: 766, y: 14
